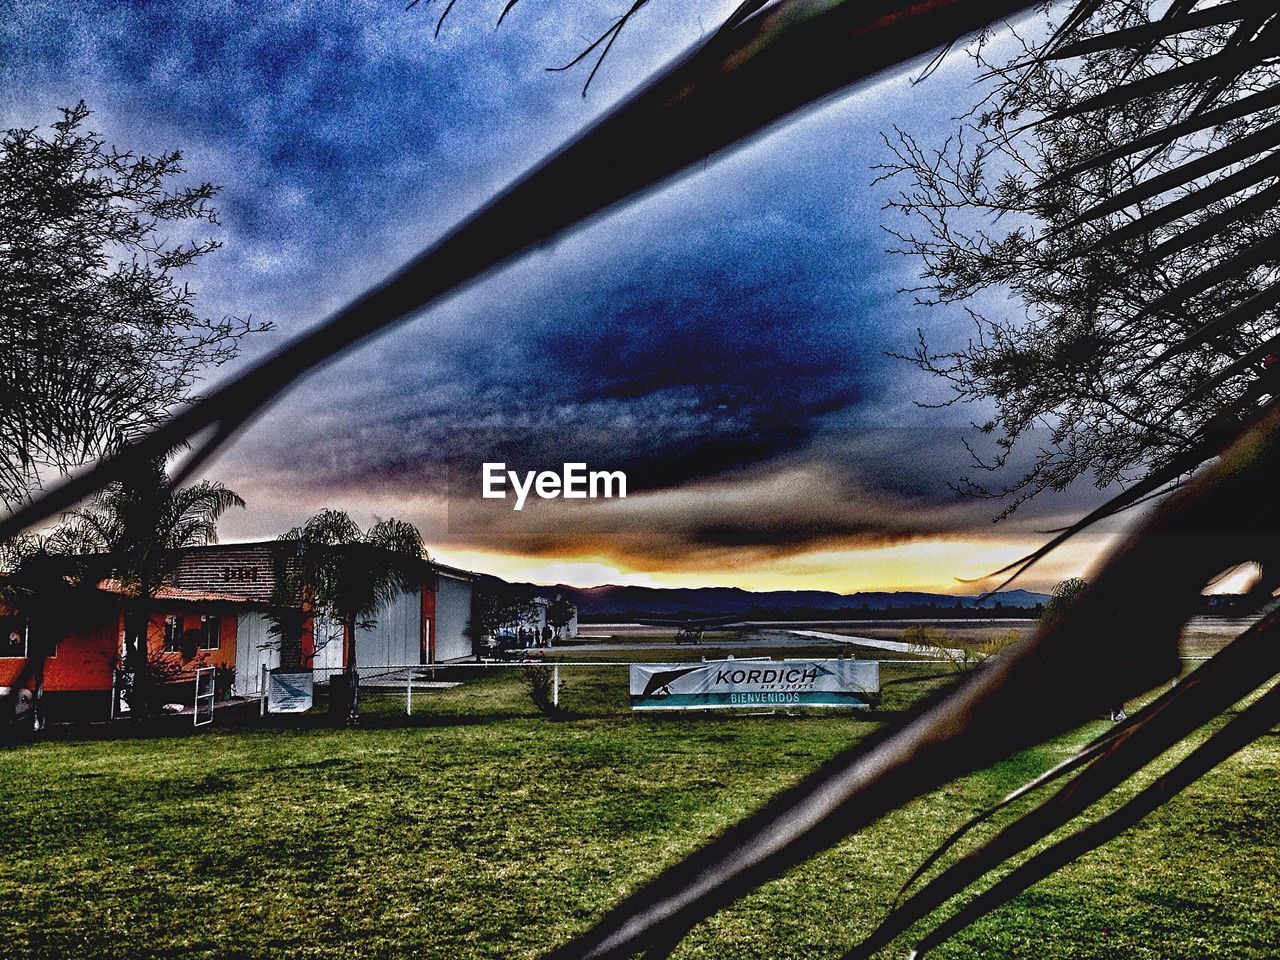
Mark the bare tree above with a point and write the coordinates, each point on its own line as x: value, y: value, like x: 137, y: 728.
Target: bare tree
x: 1106, y: 217
x: 99, y: 335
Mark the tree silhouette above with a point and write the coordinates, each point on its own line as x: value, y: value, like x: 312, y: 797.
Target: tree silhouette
x: 560, y: 612
x: 138, y: 525
x: 52, y: 583
x: 99, y: 335
x: 1107, y: 218
x: 1065, y: 593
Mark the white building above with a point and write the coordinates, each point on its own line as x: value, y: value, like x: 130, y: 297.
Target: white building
x: 426, y: 624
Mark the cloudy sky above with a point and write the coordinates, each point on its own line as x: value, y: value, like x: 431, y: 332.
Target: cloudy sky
x: 723, y: 340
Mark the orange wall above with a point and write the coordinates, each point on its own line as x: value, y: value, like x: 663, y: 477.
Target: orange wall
x: 225, y: 654
x: 84, y: 659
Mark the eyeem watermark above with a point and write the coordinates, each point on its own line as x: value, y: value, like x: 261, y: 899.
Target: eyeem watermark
x: 573, y: 482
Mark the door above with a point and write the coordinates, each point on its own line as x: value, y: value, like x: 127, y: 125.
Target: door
x: 255, y: 648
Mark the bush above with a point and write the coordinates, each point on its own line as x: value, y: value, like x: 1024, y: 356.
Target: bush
x: 932, y: 642
x: 540, y: 679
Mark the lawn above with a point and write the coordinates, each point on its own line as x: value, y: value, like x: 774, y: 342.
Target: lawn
x: 480, y: 829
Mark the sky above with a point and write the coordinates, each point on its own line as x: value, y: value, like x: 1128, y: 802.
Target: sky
x: 724, y: 340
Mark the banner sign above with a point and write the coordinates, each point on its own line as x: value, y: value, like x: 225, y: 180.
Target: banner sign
x: 289, y: 692
x: 754, y: 683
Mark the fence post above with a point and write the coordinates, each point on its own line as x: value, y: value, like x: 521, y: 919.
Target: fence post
x: 555, y: 685
x: 408, y: 691
x: 262, y: 691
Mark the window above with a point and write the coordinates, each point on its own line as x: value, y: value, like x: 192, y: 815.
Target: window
x: 173, y: 633
x: 13, y: 637
x: 210, y: 632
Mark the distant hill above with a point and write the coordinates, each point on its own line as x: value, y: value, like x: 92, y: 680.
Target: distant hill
x: 621, y: 603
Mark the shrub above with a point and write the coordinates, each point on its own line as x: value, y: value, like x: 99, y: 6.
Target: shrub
x: 540, y: 680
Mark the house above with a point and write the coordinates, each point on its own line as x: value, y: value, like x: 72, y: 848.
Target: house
x: 427, y: 624
x: 186, y: 629
x: 215, y: 611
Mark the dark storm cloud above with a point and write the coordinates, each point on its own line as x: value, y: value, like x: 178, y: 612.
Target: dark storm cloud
x: 733, y: 325
x: 673, y: 361
x: 345, y: 135
x: 755, y: 514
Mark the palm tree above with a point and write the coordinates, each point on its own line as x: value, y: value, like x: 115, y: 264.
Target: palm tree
x: 353, y: 573
x: 140, y: 522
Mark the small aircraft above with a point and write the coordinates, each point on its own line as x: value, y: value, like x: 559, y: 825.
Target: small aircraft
x: 689, y: 629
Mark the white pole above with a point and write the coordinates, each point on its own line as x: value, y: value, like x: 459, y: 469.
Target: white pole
x: 555, y: 685
x: 408, y: 692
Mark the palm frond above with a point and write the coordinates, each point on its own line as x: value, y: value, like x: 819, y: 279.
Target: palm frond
x: 1243, y: 312
x: 1043, y: 687
x: 1249, y: 662
x: 1197, y: 71
x: 1141, y: 36
x: 1239, y: 150
x: 1247, y: 363
x: 1164, y: 136
x: 1252, y: 722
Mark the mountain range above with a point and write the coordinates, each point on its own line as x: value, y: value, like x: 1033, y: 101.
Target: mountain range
x: 618, y: 602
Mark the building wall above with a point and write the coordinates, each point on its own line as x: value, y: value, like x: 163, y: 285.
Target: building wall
x: 396, y: 638
x: 428, y: 592
x: 327, y: 645
x: 192, y: 622
x: 453, y: 610
x: 246, y: 570
x: 85, y: 658
x: 82, y: 661
x: 417, y: 627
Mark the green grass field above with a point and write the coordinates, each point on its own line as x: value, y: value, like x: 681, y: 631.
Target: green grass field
x: 481, y: 829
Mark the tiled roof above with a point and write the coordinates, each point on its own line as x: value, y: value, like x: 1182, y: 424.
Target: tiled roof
x: 180, y: 593
x: 216, y: 548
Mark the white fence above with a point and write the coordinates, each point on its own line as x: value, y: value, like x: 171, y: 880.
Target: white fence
x: 582, y: 687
